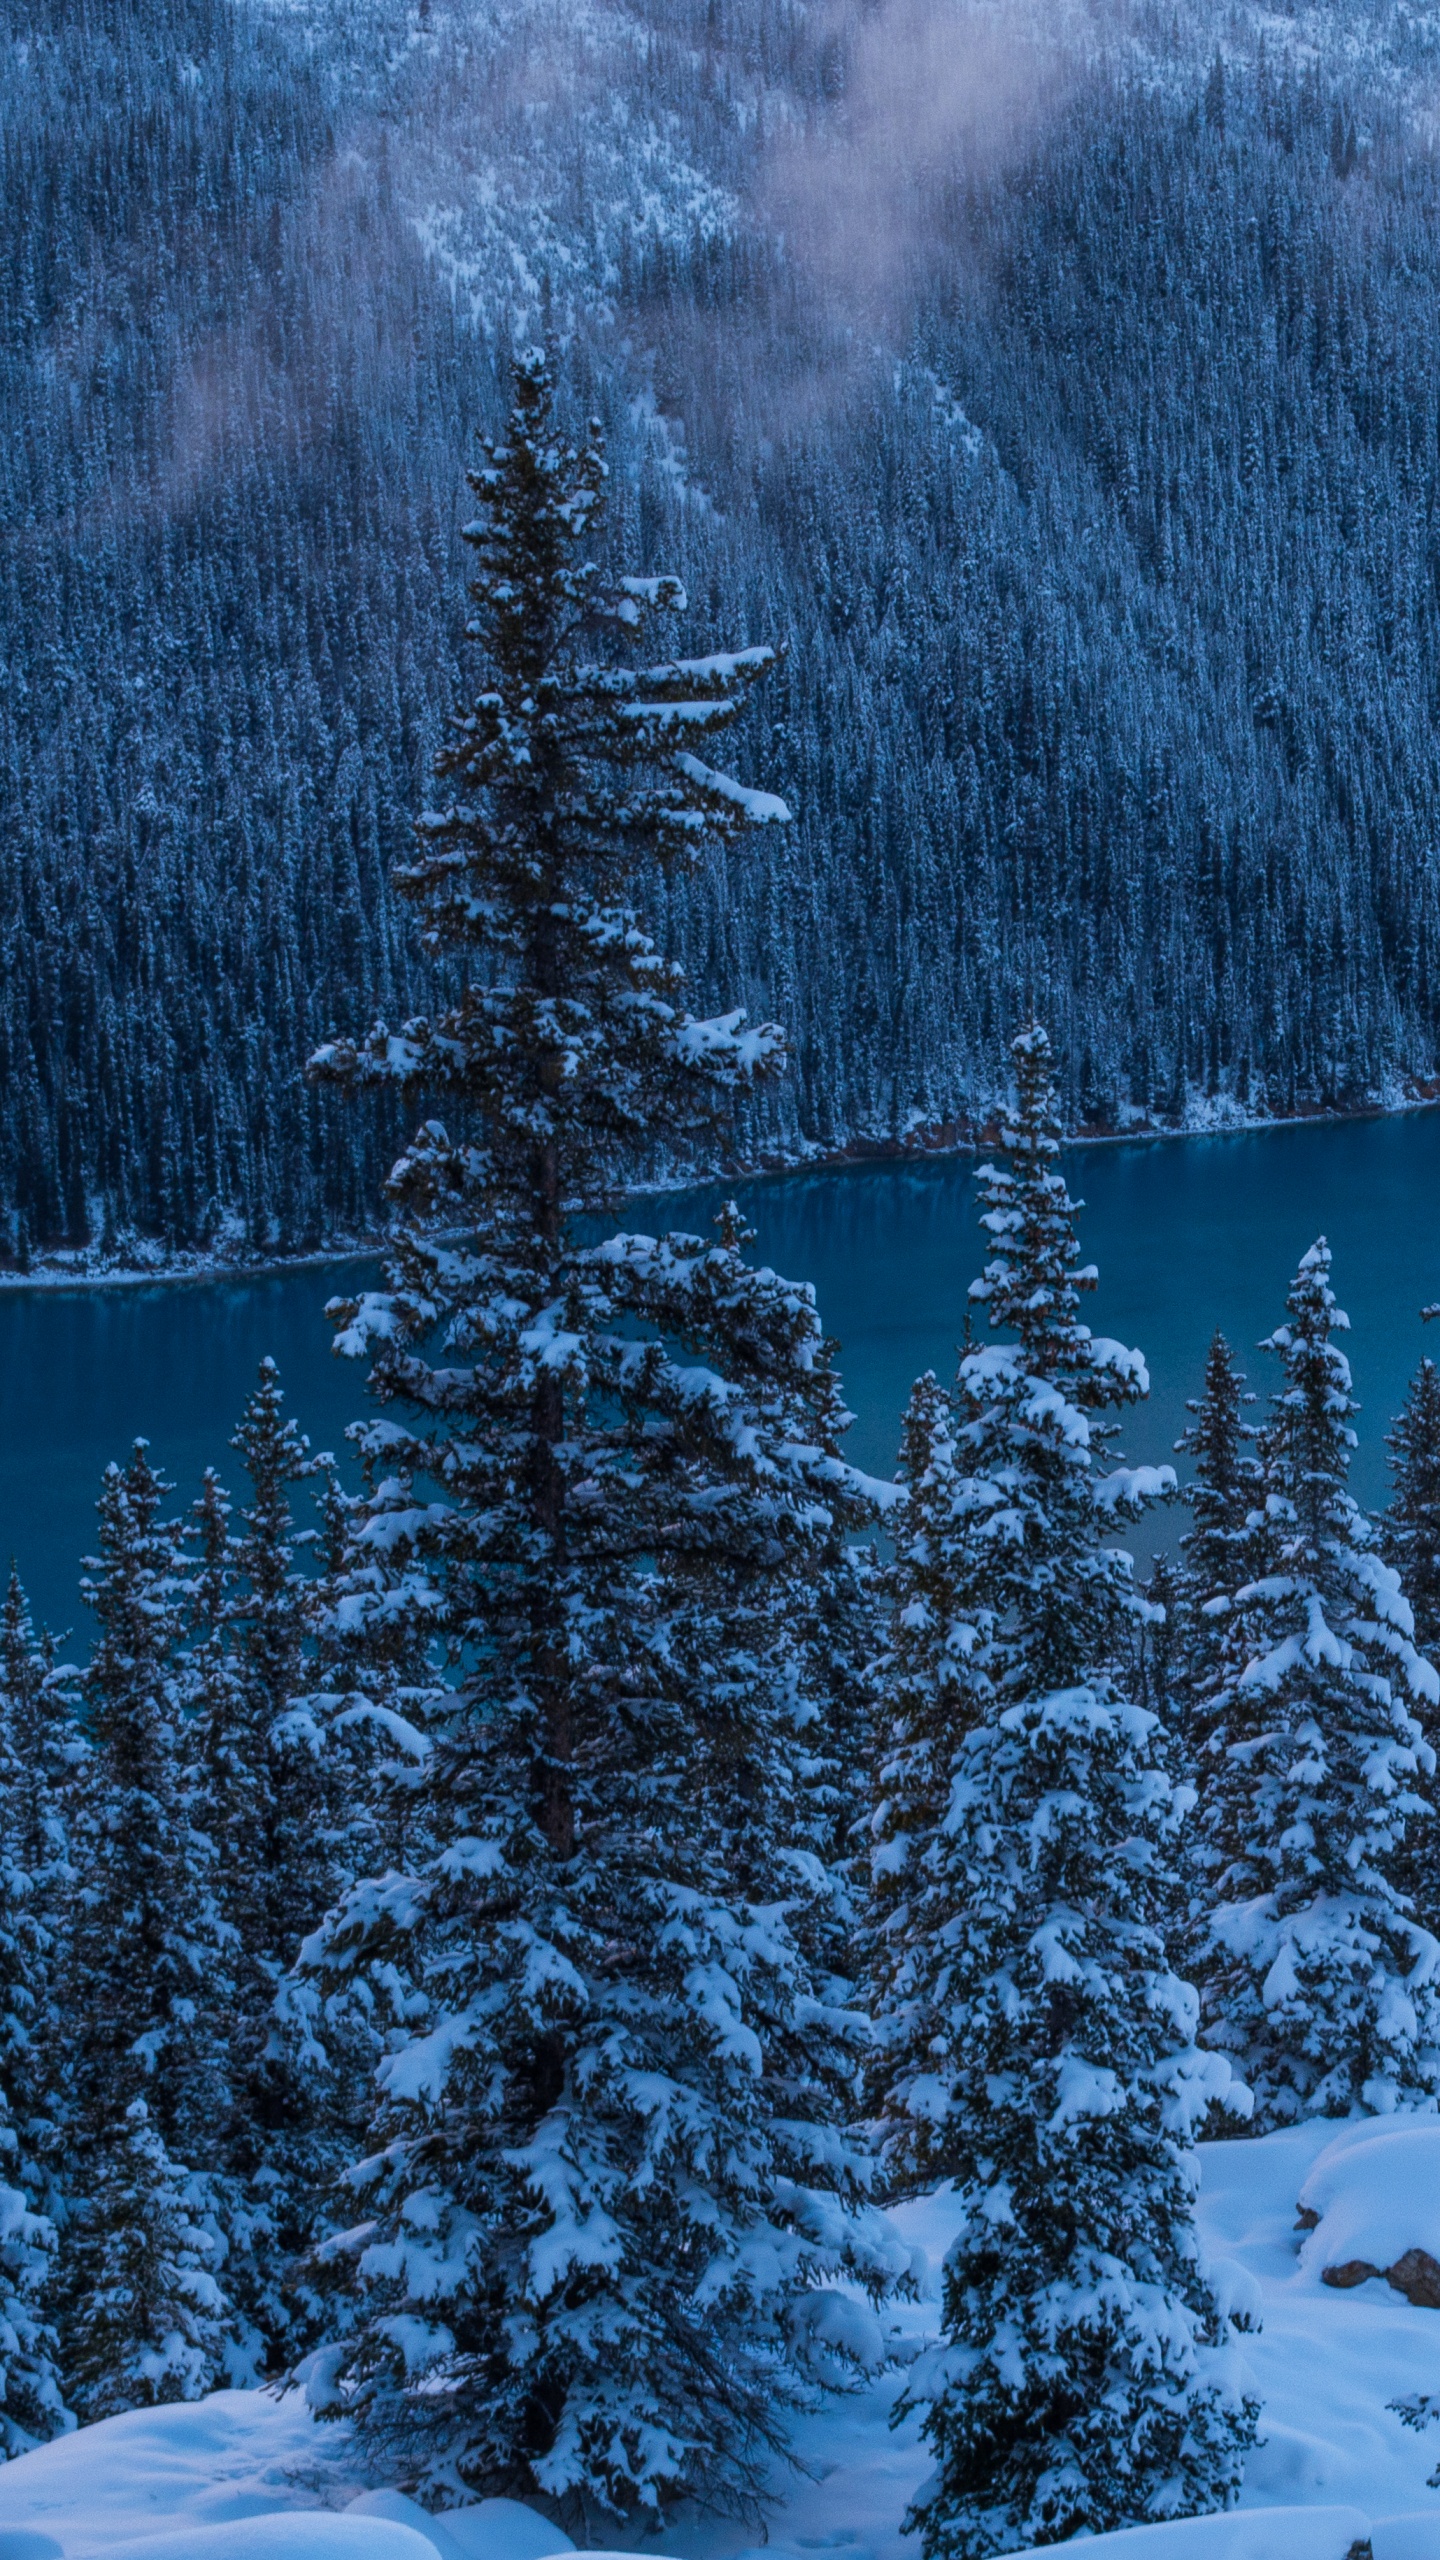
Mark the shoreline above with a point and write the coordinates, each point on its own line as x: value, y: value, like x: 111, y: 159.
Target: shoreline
x: 72, y: 1267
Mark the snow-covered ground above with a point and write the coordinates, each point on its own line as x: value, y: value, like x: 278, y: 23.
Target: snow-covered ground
x: 243, y: 2476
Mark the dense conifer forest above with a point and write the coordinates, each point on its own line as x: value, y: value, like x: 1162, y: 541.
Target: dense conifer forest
x: 500, y: 1947
x: 487, y: 1948
x: 1085, y: 453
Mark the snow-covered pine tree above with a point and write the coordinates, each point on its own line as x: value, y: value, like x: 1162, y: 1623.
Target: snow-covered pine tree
x: 608, y: 2179
x: 1316, y: 1974
x: 1221, y: 1496
x: 263, y: 1791
x: 362, y: 1723
x: 374, y: 1688
x: 280, y: 1802
x: 1222, y: 1492
x: 145, y: 2316
x: 1032, y: 2043
x: 33, y: 1701
x: 836, y: 1615
x: 213, y: 1697
x: 1410, y: 1529
x: 1409, y: 1535
x: 26, y: 1955
x: 41, y: 1755
x: 271, y: 1619
x: 38, y: 1714
x: 148, y: 1990
x: 32, y: 2396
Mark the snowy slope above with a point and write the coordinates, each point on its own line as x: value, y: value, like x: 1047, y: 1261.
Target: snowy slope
x: 213, y: 2482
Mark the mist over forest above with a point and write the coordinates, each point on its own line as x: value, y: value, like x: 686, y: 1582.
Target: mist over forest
x: 1060, y: 391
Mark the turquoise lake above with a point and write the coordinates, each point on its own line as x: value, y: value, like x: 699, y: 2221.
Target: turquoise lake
x: 1188, y: 1233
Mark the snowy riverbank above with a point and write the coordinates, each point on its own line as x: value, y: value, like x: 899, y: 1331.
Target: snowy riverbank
x: 140, y: 1262
x: 1329, y: 2364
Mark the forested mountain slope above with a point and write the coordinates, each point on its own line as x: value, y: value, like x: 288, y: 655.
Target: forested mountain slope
x: 1069, y: 401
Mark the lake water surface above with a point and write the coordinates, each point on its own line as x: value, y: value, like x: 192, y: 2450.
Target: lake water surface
x: 1188, y: 1233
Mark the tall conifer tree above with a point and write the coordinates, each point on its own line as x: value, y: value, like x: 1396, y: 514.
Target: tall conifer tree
x: 280, y: 1792
x: 1318, y: 1977
x: 147, y: 1961
x: 149, y: 1988
x: 39, y: 1718
x: 263, y: 1760
x: 34, y: 1713
x: 608, y: 2179
x: 1221, y: 1495
x: 147, y: 2320
x: 1032, y: 2043
x: 1410, y: 1529
x: 41, y: 1755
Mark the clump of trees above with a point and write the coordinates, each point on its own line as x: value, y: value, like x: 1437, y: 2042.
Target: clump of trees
x: 501, y: 1939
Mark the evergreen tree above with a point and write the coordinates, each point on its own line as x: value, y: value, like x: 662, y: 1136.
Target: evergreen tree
x: 148, y: 1993
x: 32, y: 2400
x: 270, y: 1619
x: 274, y: 1797
x: 607, y: 2180
x: 39, y: 1722
x: 264, y: 1793
x: 146, y: 2317
x: 835, y: 1613
x: 1317, y: 1975
x: 41, y: 1753
x: 1221, y: 1497
x: 32, y: 1702
x: 1410, y: 1530
x: 373, y: 1691
x: 1032, y: 2043
x: 213, y: 1694
x: 1226, y: 1482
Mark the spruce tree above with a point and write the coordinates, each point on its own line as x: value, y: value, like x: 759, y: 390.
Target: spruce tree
x: 1410, y: 1529
x: 32, y: 2393
x: 148, y: 1988
x: 38, y: 1713
x: 270, y: 1620
x: 34, y: 1702
x: 1317, y: 1975
x: 835, y: 1614
x: 265, y: 1791
x: 146, y: 2318
x: 41, y: 1754
x: 607, y: 2181
x: 1032, y: 2043
x: 277, y: 1793
x: 1220, y: 1498
x: 1222, y: 1492
x: 375, y: 1685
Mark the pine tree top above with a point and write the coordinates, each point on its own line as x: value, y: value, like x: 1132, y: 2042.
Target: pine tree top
x: 1006, y: 1558
x: 1414, y: 1442
x: 1306, y: 1444
x: 1034, y: 1279
x: 570, y: 771
x: 1225, y: 1486
x: 138, y: 1587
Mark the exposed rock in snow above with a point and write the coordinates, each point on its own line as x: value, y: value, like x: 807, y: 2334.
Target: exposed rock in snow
x: 1371, y: 2209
